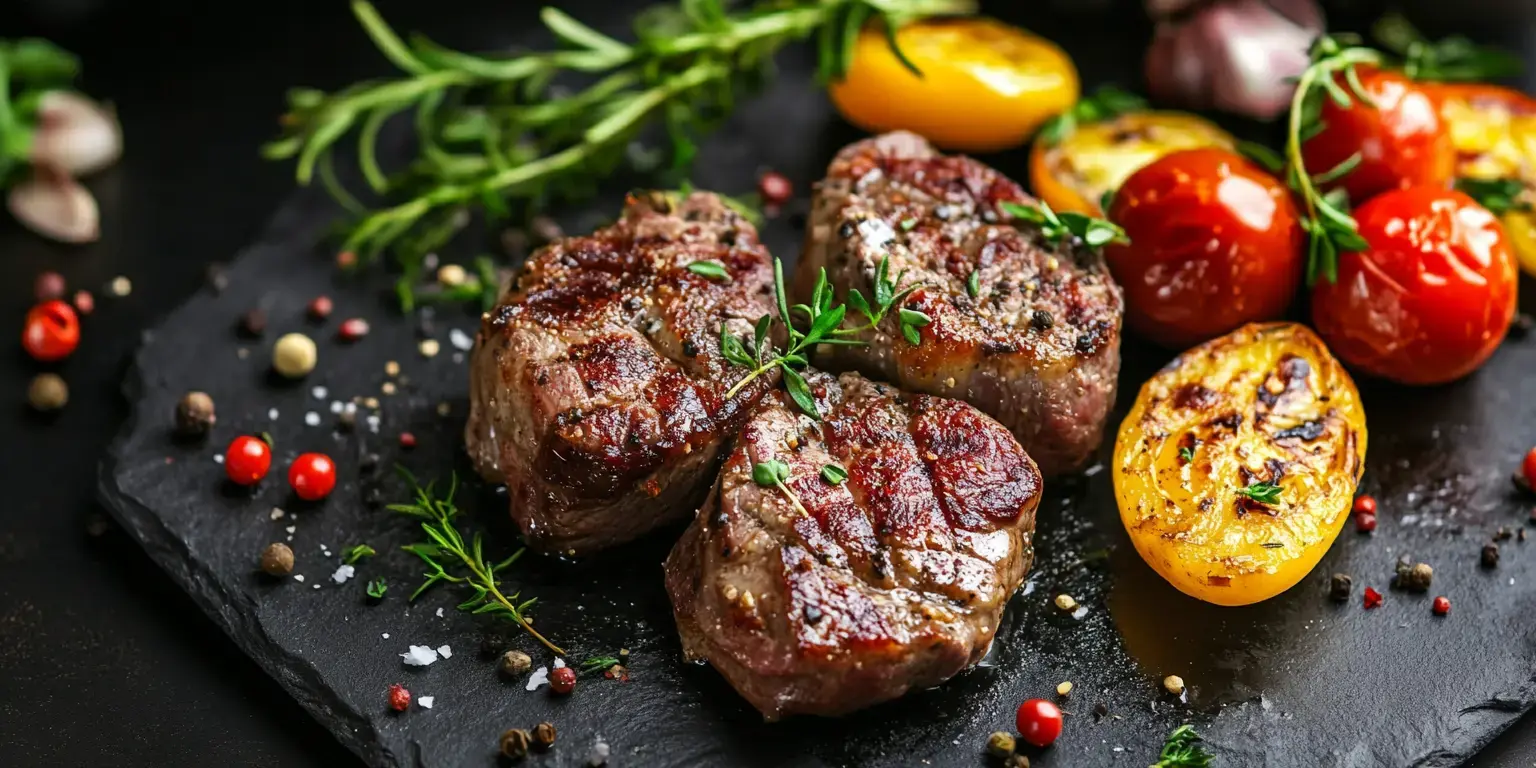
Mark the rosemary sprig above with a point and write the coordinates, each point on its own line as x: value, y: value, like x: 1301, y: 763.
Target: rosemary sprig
x: 1058, y: 227
x: 494, y: 133
x: 356, y: 552
x: 1454, y: 58
x: 1497, y: 195
x: 1182, y: 750
x: 1263, y: 493
x: 453, y: 560
x: 774, y: 474
x: 1106, y: 102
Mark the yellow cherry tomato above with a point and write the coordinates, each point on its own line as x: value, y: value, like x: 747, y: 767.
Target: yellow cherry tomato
x: 1493, y: 129
x: 985, y: 85
x: 1073, y: 173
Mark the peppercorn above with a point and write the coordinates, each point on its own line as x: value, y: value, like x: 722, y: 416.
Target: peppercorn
x: 1064, y: 689
x: 48, y: 392
x: 1065, y: 602
x: 277, y: 559
x: 1441, y: 606
x: 1365, y: 503
x: 407, y: 440
x: 1503, y: 534
x: 49, y: 286
x: 352, y: 329
x: 1490, y: 555
x: 1174, y: 685
x: 544, y: 735
x: 399, y: 698
x: 515, y: 663
x: 194, y: 414
x: 319, y: 308
x: 562, y: 680
x: 451, y: 275
x: 1041, y: 320
x: 1365, y: 522
x: 1001, y: 744
x: 253, y: 323
x: 368, y: 463
x: 429, y: 347
x: 775, y: 188
x: 120, y: 286
x: 294, y: 355
x: 1372, y: 599
x: 84, y: 302
x: 1340, y: 587
x: 514, y: 743
x: 1418, y: 577
x: 617, y: 672
x: 346, y: 259
x: 1016, y: 761
x: 1100, y: 710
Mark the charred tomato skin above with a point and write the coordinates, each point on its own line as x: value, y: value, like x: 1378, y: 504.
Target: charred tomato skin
x: 1430, y: 298
x: 1214, y: 244
x: 1402, y: 139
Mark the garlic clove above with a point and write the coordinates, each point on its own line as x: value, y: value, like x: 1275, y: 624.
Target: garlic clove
x: 75, y: 134
x: 54, y: 205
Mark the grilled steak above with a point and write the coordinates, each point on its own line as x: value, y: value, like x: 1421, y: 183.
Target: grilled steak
x: 597, y: 386
x: 1037, y: 346
x: 891, y: 580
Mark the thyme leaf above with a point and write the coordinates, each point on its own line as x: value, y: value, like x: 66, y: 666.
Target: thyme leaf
x: 1454, y: 58
x: 833, y: 474
x: 598, y: 664
x: 356, y: 552
x: 1065, y: 227
x: 377, y: 588
x: 1263, y: 493
x: 1182, y: 750
x: 1497, y: 195
x: 1106, y: 102
x: 1186, y: 454
x: 773, y: 474
x: 713, y: 270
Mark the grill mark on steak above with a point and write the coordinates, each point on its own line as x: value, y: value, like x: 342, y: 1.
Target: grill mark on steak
x: 894, y: 579
x: 596, y: 394
x: 1038, y: 348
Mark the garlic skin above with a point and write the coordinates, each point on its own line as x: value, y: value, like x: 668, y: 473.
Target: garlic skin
x: 1231, y: 55
x: 75, y: 134
x: 54, y: 205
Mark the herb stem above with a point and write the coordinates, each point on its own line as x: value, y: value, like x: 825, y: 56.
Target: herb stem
x: 1345, y: 59
x: 756, y: 372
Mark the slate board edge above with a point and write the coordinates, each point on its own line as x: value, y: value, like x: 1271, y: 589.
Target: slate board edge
x: 353, y: 729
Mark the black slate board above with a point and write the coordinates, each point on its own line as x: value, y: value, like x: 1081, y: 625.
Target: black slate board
x: 1295, y: 681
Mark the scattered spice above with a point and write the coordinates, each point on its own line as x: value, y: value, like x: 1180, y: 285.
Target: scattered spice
x: 319, y: 308
x: 346, y: 259
x: 352, y: 329
x: 514, y: 743
x: 217, y: 278
x: 1064, y: 689
x: 544, y: 735
x: 1340, y: 587
x: 1417, y: 578
x: 247, y: 459
x: 84, y: 302
x: 451, y: 275
x: 1528, y: 468
x: 49, y: 286
x: 294, y: 355
x: 429, y: 347
x: 1001, y: 744
x: 407, y: 440
x: 515, y: 663
x: 1365, y: 522
x: 1016, y: 761
x: 51, y: 331
x: 1100, y: 710
x: 1066, y: 602
x: 1174, y: 685
x: 376, y: 589
x: 775, y: 188
x: 1372, y: 598
x: 562, y: 680
x: 1441, y: 606
x: 1490, y: 555
x: 1365, y: 503
x: 120, y: 286
x: 1503, y: 534
x: 253, y: 323
x: 399, y: 698
x: 47, y: 392
x: 617, y: 672
x: 277, y: 559
x: 194, y: 414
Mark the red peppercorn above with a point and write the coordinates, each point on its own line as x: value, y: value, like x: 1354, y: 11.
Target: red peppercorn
x: 1365, y: 503
x: 346, y: 260
x: 399, y: 698
x: 49, y: 286
x: 247, y: 460
x: 407, y: 440
x: 1039, y: 722
x: 312, y: 476
x: 1365, y: 522
x: 85, y: 303
x: 775, y: 188
x: 319, y: 308
x: 1528, y: 467
x: 52, y: 331
x: 352, y: 329
x: 562, y: 680
x: 1372, y: 598
x: 1441, y: 605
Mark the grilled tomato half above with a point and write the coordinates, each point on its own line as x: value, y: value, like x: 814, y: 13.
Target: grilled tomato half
x: 984, y: 85
x: 1236, y: 466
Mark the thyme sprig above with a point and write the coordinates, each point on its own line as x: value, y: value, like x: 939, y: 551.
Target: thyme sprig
x: 451, y: 559
x: 774, y: 474
x: 1104, y: 103
x: 1453, y: 58
x: 494, y: 133
x: 377, y: 588
x: 1066, y: 226
x: 1182, y: 750
x: 1499, y: 196
x: 598, y: 664
x: 1263, y: 493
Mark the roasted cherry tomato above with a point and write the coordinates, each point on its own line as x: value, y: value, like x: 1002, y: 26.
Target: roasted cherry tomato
x: 51, y: 332
x: 1493, y: 129
x: 1214, y: 245
x: 1430, y: 298
x: 1074, y: 173
x: 985, y: 85
x: 247, y: 460
x: 312, y: 476
x: 1039, y: 722
x: 1401, y: 139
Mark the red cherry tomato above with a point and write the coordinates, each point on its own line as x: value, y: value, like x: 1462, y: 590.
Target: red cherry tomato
x: 1039, y: 722
x: 52, y: 331
x: 1402, y: 140
x: 1528, y: 467
x: 1214, y: 245
x: 247, y: 460
x: 312, y: 476
x: 1430, y: 298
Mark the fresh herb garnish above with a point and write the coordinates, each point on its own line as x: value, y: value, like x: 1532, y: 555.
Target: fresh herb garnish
x: 29, y: 68
x: 1263, y: 155
x: 1453, y: 58
x: 598, y: 664
x: 1106, y: 102
x: 825, y: 327
x: 1182, y: 750
x: 973, y: 283
x: 1186, y: 454
x: 1497, y: 195
x: 713, y: 270
x: 833, y: 474
x: 1058, y: 227
x: 453, y: 560
x: 1330, y: 229
x: 377, y: 588
x: 356, y: 552
x: 908, y: 224
x: 1263, y: 493
x: 503, y: 134
x: 773, y: 474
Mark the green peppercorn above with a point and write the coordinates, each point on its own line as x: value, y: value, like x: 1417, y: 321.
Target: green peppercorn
x: 1000, y: 744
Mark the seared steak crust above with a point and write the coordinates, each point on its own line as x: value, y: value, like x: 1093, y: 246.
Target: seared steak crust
x: 1038, y: 345
x: 597, y: 389
x: 894, y: 579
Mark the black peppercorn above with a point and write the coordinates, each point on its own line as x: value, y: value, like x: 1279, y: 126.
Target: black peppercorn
x: 544, y: 735
x: 253, y: 323
x: 194, y: 414
x: 1490, y: 555
x: 1101, y: 709
x: 1340, y: 587
x: 514, y: 743
x: 368, y: 464
x: 1503, y: 534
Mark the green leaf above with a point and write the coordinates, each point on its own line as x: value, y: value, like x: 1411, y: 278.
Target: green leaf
x: 911, y: 335
x: 914, y: 318
x: 1186, y: 454
x: 760, y: 335
x: 890, y: 27
x: 38, y: 63
x: 860, y: 305
x: 833, y: 474
x: 377, y: 588
x: 884, y: 288
x: 908, y: 224
x: 800, y: 392
x: 1057, y: 129
x: 1338, y: 171
x: 732, y: 351
x: 1106, y: 201
x: 1182, y: 750
x: 973, y: 283
x: 356, y: 552
x: 1264, y: 493
x: 1021, y: 211
x: 770, y: 473
x: 713, y: 270
x: 1269, y: 159
x: 825, y: 323
x: 1497, y: 195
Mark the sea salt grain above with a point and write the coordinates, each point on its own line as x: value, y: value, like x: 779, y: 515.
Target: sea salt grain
x: 539, y: 677
x: 319, y: 393
x: 291, y: 528
x: 426, y: 701
x: 218, y: 458
x: 312, y: 419
x: 277, y: 514
x: 343, y: 573
x: 298, y: 577
x: 445, y: 652
x: 272, y: 414
x: 460, y: 340
x: 419, y: 656
x: 336, y: 407
x: 439, y: 613
x: 386, y: 635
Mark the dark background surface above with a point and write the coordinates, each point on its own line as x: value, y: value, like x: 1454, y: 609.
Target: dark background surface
x: 102, y: 659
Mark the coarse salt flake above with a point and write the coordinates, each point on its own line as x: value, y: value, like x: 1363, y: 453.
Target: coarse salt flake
x: 272, y: 414
x: 386, y: 635
x: 218, y: 458
x: 336, y: 406
x: 426, y: 701
x: 460, y: 340
x: 312, y: 419
x: 343, y: 573
x: 559, y: 663
x: 439, y: 613
x: 419, y: 656
x: 539, y: 677
x: 277, y: 513
x: 298, y: 577
x: 445, y: 652
x: 317, y: 586
x: 291, y: 528
x: 319, y: 392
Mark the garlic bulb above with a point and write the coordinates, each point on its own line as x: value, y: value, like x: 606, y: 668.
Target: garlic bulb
x: 54, y: 205
x: 75, y: 134
x: 1231, y: 55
